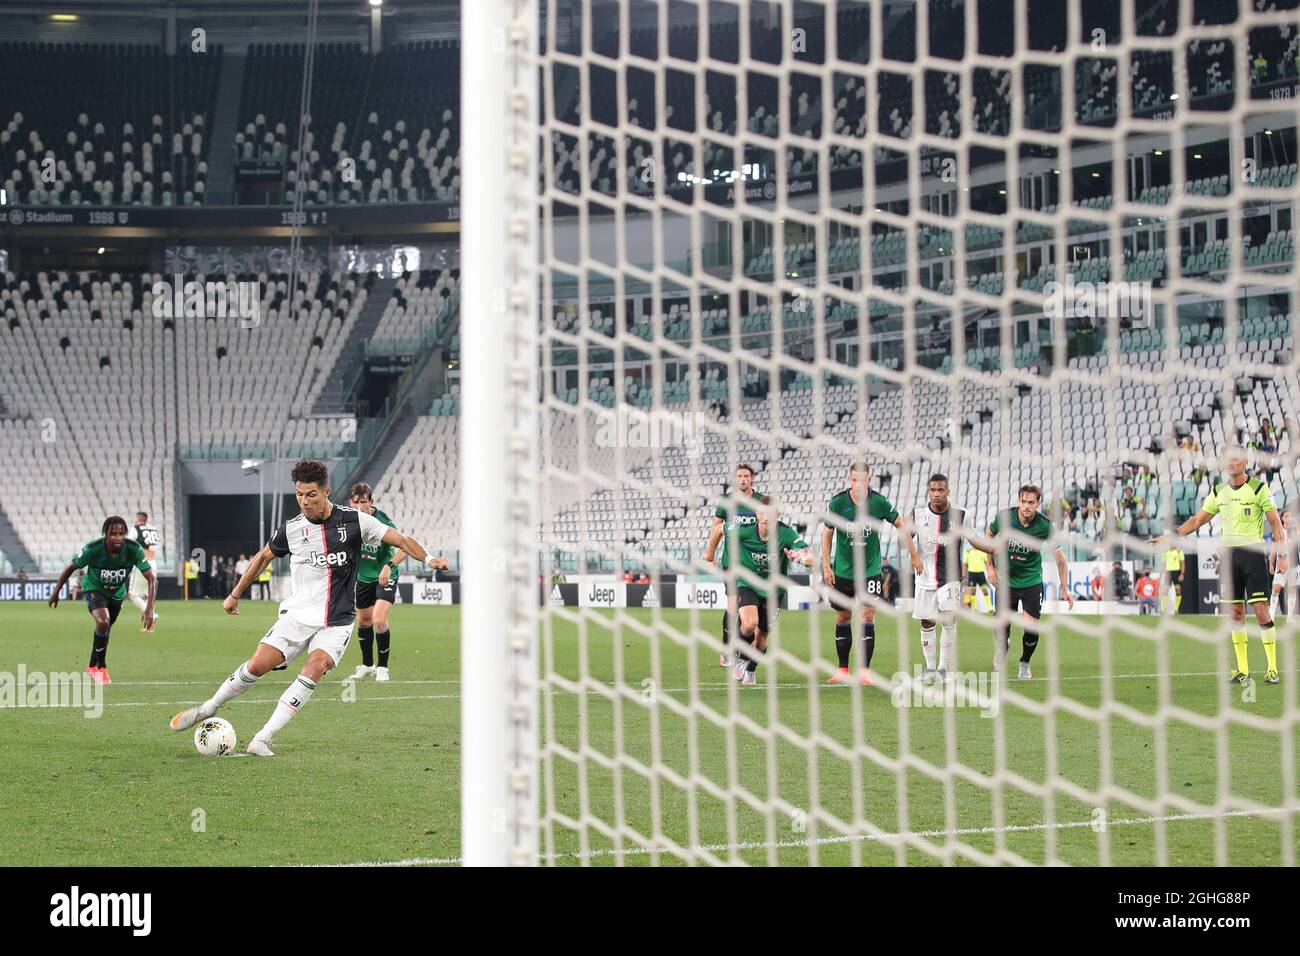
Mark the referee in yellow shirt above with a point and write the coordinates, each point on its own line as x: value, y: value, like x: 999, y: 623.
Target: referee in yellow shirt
x: 1175, y: 565
x: 974, y: 568
x: 1243, y: 504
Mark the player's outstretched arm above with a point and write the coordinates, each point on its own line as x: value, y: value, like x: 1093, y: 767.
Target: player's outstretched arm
x: 804, y: 556
x: 68, y: 572
x: 396, y: 539
x: 255, y: 567
x: 1186, y: 528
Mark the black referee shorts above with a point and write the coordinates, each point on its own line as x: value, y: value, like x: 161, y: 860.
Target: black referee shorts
x: 975, y: 579
x: 1244, y: 577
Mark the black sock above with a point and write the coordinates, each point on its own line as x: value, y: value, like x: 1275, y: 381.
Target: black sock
x: 366, y: 638
x: 726, y: 628
x: 869, y: 641
x: 99, y: 650
x: 745, y: 639
x: 843, y: 643
x: 753, y: 661
x: 1030, y: 645
x: 381, y: 640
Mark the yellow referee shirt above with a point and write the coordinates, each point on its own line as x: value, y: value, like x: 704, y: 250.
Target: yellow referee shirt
x: 976, y: 560
x: 1173, y: 559
x: 1241, y: 510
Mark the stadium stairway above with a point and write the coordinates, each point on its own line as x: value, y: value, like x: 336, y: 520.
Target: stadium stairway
x: 336, y: 396
x: 372, y: 468
x: 12, y: 547
x: 225, y: 124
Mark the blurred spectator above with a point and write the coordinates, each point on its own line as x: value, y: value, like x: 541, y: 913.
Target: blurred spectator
x: 1097, y: 587
x: 21, y: 575
x: 627, y: 577
x: 1267, y: 437
x: 643, y: 579
x: 1121, y: 585
x: 1147, y: 589
x: 215, y: 576
x: 889, y: 583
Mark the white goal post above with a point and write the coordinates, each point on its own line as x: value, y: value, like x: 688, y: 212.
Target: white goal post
x: 499, y: 452
x: 802, y: 234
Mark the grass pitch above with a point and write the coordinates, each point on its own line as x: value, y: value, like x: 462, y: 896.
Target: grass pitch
x: 373, y: 776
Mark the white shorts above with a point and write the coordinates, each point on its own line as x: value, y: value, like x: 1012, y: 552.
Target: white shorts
x: 933, y: 602
x: 291, y: 638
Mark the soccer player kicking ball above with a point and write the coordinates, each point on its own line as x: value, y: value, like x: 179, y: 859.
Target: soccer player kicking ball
x: 754, y: 561
x: 939, y: 530
x: 735, y: 514
x: 324, y: 544
x: 1243, y: 504
x: 853, y: 511
x: 376, y: 591
x: 108, y: 562
x: 1023, y: 564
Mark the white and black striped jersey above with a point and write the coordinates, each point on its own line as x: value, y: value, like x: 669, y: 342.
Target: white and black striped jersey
x: 938, y: 538
x: 324, y: 559
x: 148, y: 537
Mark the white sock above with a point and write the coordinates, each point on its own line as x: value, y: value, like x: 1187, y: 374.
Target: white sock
x: 948, y: 648
x: 234, y: 685
x: 293, y: 699
x: 139, y: 602
x: 927, y: 647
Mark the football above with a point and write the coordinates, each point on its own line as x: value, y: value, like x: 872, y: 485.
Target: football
x: 214, y: 737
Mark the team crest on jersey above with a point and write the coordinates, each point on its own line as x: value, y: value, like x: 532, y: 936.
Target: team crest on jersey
x: 343, y: 533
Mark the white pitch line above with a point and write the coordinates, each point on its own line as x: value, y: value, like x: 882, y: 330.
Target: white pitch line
x: 796, y: 685
x: 210, y: 683
x: 855, y: 838
x: 267, y: 700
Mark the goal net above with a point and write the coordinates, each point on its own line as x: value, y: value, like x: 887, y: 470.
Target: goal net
x: 1014, y: 242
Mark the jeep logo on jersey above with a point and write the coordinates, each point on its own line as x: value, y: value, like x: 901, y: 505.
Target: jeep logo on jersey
x: 319, y: 560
